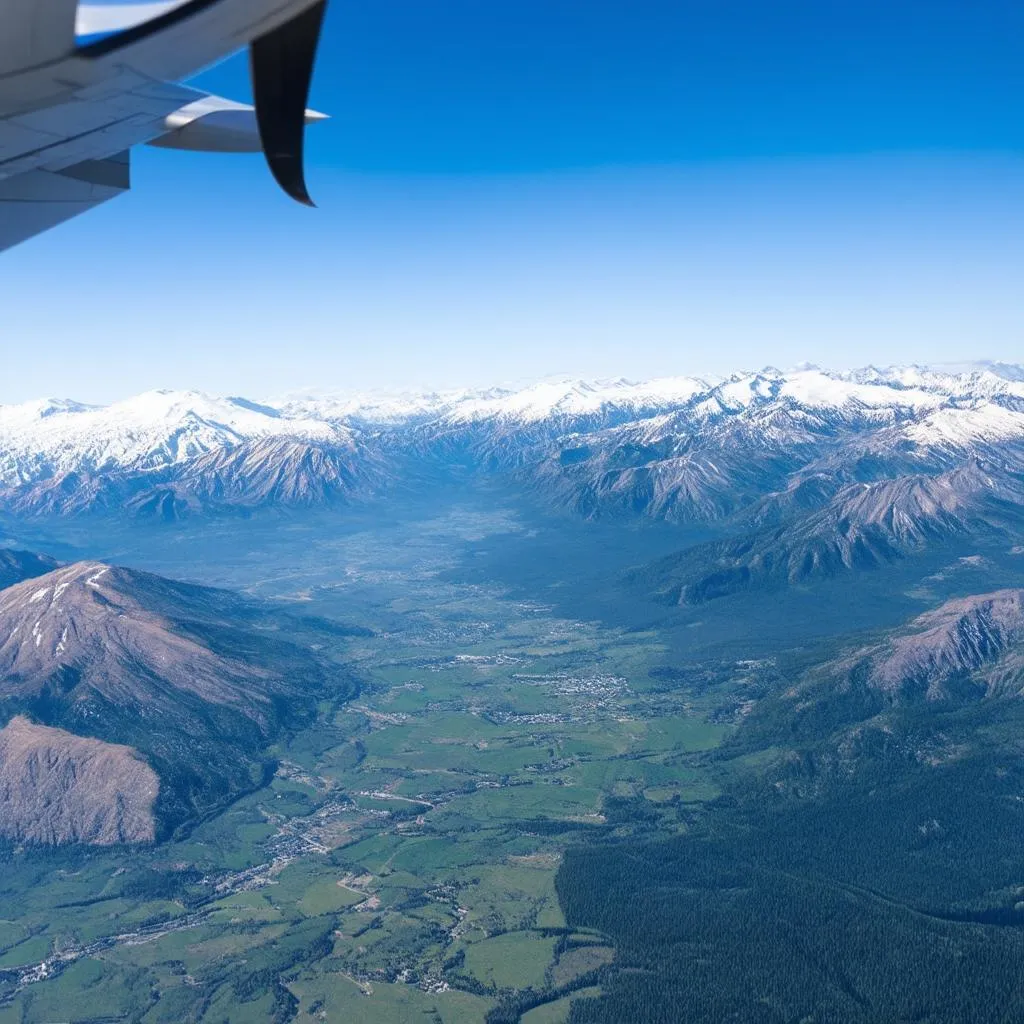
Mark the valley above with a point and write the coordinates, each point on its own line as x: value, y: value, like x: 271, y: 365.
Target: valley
x: 458, y: 837
x: 567, y: 705
x: 412, y: 835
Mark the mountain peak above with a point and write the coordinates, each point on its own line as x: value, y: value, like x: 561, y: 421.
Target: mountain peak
x: 113, y: 623
x: 172, y: 670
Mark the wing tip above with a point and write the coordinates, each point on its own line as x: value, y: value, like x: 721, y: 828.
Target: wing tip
x: 281, y: 65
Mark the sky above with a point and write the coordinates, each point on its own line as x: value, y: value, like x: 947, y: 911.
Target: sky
x: 511, y: 189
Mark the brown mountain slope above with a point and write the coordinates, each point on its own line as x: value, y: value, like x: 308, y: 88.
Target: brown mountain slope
x: 59, y: 788
x: 91, y: 631
x: 179, y: 673
x: 970, y: 645
x: 862, y: 527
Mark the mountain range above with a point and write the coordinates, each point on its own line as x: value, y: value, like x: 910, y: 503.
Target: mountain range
x: 862, y: 526
x: 680, y: 448
x: 133, y: 706
x: 795, y: 475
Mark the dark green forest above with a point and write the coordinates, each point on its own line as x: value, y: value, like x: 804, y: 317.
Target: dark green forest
x: 880, y: 888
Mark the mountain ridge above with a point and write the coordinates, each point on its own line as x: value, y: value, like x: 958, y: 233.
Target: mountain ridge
x: 677, y: 449
x: 860, y: 526
x: 17, y: 566
x: 968, y: 647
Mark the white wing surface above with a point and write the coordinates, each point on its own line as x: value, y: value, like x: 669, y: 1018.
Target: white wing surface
x: 104, y: 19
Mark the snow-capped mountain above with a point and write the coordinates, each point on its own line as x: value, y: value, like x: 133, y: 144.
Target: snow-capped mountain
x: 375, y: 411
x: 49, y: 438
x: 543, y: 401
x: 571, y: 401
x: 757, y: 435
x: 263, y: 473
x: 763, y: 445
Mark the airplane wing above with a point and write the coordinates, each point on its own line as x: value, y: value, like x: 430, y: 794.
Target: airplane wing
x: 42, y: 195
x: 81, y: 84
x: 35, y: 32
x: 35, y: 201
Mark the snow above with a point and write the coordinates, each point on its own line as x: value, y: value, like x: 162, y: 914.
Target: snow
x: 944, y: 405
x: 568, y: 398
x: 534, y: 403
x: 963, y: 381
x: 817, y: 389
x: 379, y: 408
x: 745, y: 390
x: 49, y: 438
x: 94, y: 579
x: 966, y: 428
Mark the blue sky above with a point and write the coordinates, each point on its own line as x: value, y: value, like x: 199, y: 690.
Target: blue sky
x: 515, y: 189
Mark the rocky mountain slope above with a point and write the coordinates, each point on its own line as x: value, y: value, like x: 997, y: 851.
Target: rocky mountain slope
x: 51, y: 438
x: 754, y: 435
x: 179, y: 673
x: 167, y: 450
x: 863, y: 526
x: 269, y: 473
x: 58, y: 788
x: 970, y: 647
x: 932, y: 703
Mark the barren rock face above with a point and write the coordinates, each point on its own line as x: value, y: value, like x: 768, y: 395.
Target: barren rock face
x: 979, y: 636
x: 967, y: 649
x: 56, y: 788
x: 278, y: 471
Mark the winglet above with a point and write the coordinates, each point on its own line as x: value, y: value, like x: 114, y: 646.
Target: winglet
x: 281, y: 64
